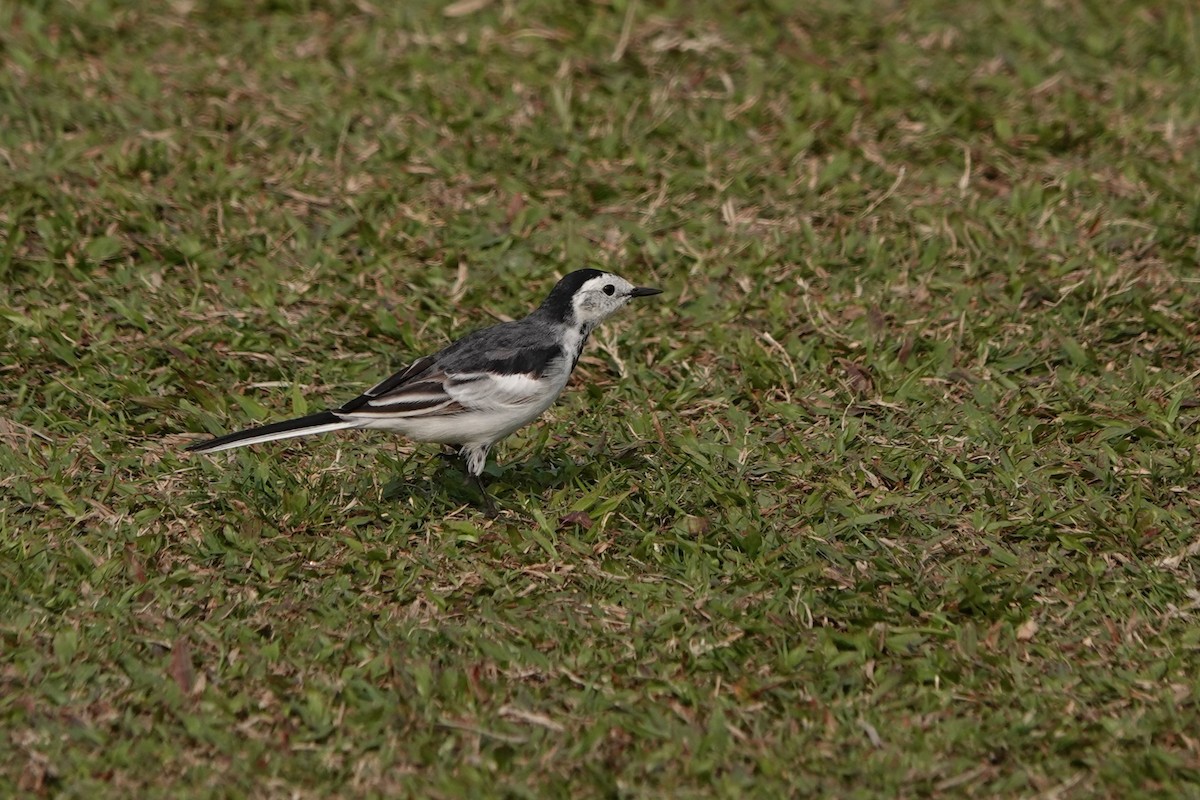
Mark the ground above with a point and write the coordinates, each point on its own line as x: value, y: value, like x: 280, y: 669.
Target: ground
x: 892, y: 493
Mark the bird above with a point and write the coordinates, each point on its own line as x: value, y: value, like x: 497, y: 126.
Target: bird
x: 476, y: 390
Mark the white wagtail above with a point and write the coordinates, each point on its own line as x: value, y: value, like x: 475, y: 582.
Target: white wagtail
x: 479, y: 389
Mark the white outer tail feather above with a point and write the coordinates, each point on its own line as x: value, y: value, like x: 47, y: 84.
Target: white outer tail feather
x: 271, y: 437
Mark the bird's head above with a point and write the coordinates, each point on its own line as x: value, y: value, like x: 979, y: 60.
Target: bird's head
x: 588, y: 297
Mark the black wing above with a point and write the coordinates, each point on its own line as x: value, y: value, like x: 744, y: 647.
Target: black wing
x: 410, y: 373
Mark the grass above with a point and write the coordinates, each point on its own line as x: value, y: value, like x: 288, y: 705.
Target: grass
x: 893, y: 492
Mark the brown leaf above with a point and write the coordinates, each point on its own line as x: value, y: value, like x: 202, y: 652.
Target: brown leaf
x: 181, y: 665
x: 993, y: 635
x: 906, y: 350
x: 576, y: 518
x: 137, y: 571
x: 33, y: 776
x: 875, y: 320
x: 515, y: 204
x: 851, y: 313
x: 1027, y: 630
x: 857, y: 376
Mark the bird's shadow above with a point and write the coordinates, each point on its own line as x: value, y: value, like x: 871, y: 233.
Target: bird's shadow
x: 443, y: 479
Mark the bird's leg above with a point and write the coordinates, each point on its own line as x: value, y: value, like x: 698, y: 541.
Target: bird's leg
x: 476, y: 458
x: 488, y: 504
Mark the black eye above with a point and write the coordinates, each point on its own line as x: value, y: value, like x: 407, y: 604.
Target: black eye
x: 609, y: 289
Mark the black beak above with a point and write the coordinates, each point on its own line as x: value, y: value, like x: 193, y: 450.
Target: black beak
x: 643, y: 291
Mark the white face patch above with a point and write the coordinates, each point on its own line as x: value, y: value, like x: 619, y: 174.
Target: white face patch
x: 599, y: 298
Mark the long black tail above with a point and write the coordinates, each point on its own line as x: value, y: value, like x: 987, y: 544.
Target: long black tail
x: 303, y: 426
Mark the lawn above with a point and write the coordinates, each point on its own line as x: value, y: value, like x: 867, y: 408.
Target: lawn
x: 892, y: 493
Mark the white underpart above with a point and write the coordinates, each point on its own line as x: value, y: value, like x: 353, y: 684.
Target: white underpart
x: 572, y: 340
x: 476, y: 457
